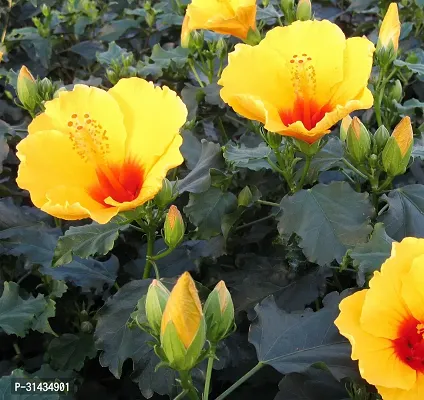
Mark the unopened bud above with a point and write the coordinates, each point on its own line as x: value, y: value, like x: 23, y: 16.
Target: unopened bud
x: 388, y: 39
x: 87, y: 327
x: 381, y: 136
x: 245, y: 197
x: 397, y: 152
x: 396, y: 91
x: 253, y: 37
x: 27, y: 89
x: 46, y: 89
x: 304, y: 10
x: 166, y: 195
x: 358, y: 140
x: 156, y: 299
x: 174, y: 228
x: 219, y: 313
x: 344, y: 126
x: 288, y: 9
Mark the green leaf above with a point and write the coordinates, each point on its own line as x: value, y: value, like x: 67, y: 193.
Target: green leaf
x: 405, y: 216
x: 253, y: 158
x: 86, y: 273
x: 87, y: 49
x: 199, y: 180
x: 191, y: 149
x: 315, y: 384
x: 115, y: 29
x: 368, y: 257
x: 205, y: 210
x: 294, y: 342
x: 36, y: 243
x: 12, y: 216
x: 292, y: 292
x: 4, y: 150
x: 17, y: 316
x: 41, y: 321
x: 113, y: 53
x: 417, y: 68
x: 118, y: 342
x: 69, y: 351
x: 328, y: 218
x: 178, y: 55
x: 85, y: 241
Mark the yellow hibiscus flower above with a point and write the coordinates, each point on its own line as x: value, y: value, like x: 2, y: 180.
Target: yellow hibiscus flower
x: 94, y: 153
x: 300, y: 80
x: 228, y: 17
x: 385, y: 324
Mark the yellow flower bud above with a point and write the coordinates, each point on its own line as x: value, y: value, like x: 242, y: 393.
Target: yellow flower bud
x: 27, y: 89
x: 183, y: 325
x: 304, y: 10
x: 156, y: 299
x: 346, y: 121
x: 1, y: 56
x: 245, y: 197
x: 358, y: 140
x: 388, y: 39
x: 219, y: 313
x: 397, y: 152
x: 404, y: 135
x: 390, y: 28
x: 174, y: 227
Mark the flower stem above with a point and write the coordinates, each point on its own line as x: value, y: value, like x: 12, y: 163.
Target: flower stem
x: 211, y: 360
x: 151, y: 234
x: 267, y: 203
x: 385, y: 184
x: 181, y: 395
x: 304, y: 173
x: 187, y: 384
x: 163, y: 254
x: 243, y: 379
x: 254, y: 222
x: 354, y: 169
x: 196, y: 75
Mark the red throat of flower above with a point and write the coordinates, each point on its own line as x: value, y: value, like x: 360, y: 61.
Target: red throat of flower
x: 122, y: 183
x: 305, y: 108
x: 409, y: 347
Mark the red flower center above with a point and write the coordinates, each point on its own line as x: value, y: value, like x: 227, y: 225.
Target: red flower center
x: 409, y: 347
x: 122, y: 183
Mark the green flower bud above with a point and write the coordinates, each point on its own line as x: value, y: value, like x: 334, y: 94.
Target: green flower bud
x: 166, y: 195
x: 358, y: 140
x: 265, y: 3
x: 304, y: 10
x: 87, y: 327
x: 46, y: 89
x: 381, y: 136
x: 219, y: 313
x: 396, y: 91
x: 288, y: 9
x: 156, y: 299
x: 397, y: 152
x: 174, y: 227
x: 245, y: 197
x: 27, y: 89
x: 183, y: 328
x: 273, y: 140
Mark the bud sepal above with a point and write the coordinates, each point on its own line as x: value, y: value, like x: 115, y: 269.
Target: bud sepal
x: 156, y: 299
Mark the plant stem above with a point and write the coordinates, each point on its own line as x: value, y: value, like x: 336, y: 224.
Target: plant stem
x: 151, y: 233
x: 254, y: 222
x: 267, y: 203
x: 162, y: 254
x: 304, y: 173
x: 181, y: 395
x: 211, y: 360
x: 243, y: 379
x: 354, y: 169
x: 385, y: 184
x: 187, y: 384
x: 196, y: 75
